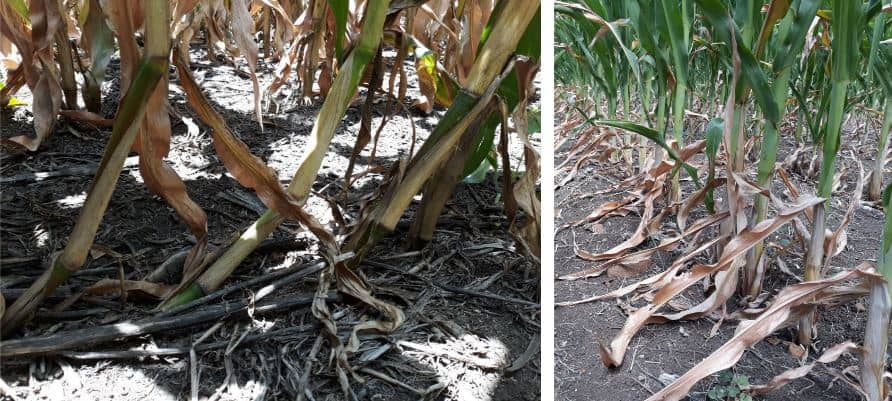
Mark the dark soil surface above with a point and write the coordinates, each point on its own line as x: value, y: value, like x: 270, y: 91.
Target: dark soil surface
x: 450, y: 331
x: 673, y: 348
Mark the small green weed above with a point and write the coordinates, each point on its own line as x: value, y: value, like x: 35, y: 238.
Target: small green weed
x: 730, y: 388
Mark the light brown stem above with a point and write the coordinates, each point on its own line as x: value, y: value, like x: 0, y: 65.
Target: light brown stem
x: 876, y: 339
x: 813, y: 261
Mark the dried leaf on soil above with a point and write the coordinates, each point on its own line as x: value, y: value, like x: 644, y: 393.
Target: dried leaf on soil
x: 786, y: 308
x: 613, y: 355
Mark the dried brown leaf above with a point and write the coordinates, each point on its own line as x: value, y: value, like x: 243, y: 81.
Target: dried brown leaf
x: 612, y: 356
x: 656, y: 281
x: 630, y: 267
x: 664, y: 245
x: 46, y: 104
x: 35, y: 45
x: 641, y: 233
x: 689, y: 204
x: 787, y: 306
x: 605, y: 209
x: 248, y: 169
x: 830, y: 355
x: 131, y: 287
x: 525, y: 187
x: 837, y: 240
x: 243, y: 34
x: 153, y: 144
x: 87, y: 117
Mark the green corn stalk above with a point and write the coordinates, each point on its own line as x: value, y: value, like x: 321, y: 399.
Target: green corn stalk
x: 677, y: 27
x: 882, y: 68
x: 846, y: 28
x: 791, y: 38
x: 876, y: 178
x: 714, y: 133
x: 876, y: 334
x: 753, y: 81
x: 330, y: 116
x: 131, y: 111
x: 473, y: 100
x: 474, y: 146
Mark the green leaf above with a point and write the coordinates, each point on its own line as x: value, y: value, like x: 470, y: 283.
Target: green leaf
x: 22, y: 8
x: 717, y: 15
x: 643, y: 20
x: 13, y: 102
x: 887, y: 195
x: 99, y: 42
x: 530, y: 44
x: 726, y: 376
x: 534, y: 120
x: 426, y: 67
x: 677, y: 41
x: 776, y: 11
x: 714, y: 132
x: 485, y: 140
x: 509, y: 90
x: 792, y: 43
x: 479, y: 175
x: 340, y: 9
x: 846, y: 28
x: 883, y: 69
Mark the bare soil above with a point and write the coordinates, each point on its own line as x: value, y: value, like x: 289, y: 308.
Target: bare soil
x: 471, y: 249
x: 676, y: 347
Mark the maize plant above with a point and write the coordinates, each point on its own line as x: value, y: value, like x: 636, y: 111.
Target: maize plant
x: 478, y: 59
x: 734, y: 81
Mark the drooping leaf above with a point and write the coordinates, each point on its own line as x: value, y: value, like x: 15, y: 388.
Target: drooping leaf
x: 153, y: 144
x: 651, y: 134
x: 247, y: 169
x: 243, y: 30
x: 510, y: 90
x: 38, y: 64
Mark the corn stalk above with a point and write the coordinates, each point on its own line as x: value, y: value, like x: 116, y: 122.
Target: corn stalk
x: 791, y: 39
x: 151, y: 70
x: 489, y: 64
x: 488, y: 71
x: 678, y: 28
x: 327, y: 121
x: 876, y: 334
x: 476, y: 142
x: 882, y: 67
x: 846, y: 30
